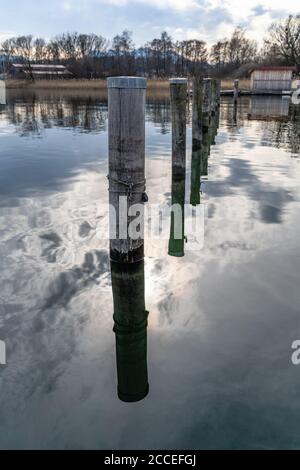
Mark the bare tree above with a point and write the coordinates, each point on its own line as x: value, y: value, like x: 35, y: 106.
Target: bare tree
x: 283, y: 43
x: 123, y: 49
x: 219, y: 53
x: 40, y: 50
x: 53, y: 51
x: 241, y: 49
x: 24, y: 48
x: 8, y: 50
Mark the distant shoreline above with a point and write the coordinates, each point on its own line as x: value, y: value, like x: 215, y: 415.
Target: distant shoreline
x: 98, y: 84
x: 72, y: 84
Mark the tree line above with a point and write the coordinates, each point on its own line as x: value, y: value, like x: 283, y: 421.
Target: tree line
x: 93, y: 56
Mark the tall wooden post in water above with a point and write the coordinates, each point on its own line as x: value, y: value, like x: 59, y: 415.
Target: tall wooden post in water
x: 214, y: 91
x: 218, y: 93
x: 126, y: 129
x: 236, y: 91
x: 178, y: 90
x: 197, y: 111
x: 196, y: 140
x: 206, y: 102
x: 126, y: 115
x: 2, y: 92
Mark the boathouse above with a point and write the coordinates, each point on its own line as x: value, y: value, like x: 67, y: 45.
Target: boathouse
x: 270, y: 80
x: 39, y: 71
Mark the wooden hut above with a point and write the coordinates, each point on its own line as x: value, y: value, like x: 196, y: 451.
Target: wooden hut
x: 270, y: 80
x: 39, y: 71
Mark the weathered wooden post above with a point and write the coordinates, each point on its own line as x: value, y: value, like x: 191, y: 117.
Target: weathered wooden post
x: 127, y: 185
x: 236, y: 90
x: 214, y: 91
x: 205, y: 151
x: 195, y: 198
x: 218, y: 93
x: 197, y: 112
x: 130, y: 327
x: 178, y: 89
x: 214, y: 129
x: 206, y: 102
x: 196, y: 140
x: 2, y: 93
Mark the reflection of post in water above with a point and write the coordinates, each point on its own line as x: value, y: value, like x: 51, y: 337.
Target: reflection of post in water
x: 177, y: 238
x: 131, y: 321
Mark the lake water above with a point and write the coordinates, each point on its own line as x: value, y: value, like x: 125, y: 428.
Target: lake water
x: 221, y: 319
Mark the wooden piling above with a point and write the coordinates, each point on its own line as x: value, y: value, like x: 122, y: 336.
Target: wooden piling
x: 130, y: 327
x: 214, y: 91
x: 206, y: 102
x: 205, y: 151
x: 127, y: 186
x: 196, y: 140
x: 197, y: 112
x: 218, y: 93
x: 236, y: 90
x: 2, y: 93
x: 178, y: 90
x: 214, y: 129
x: 195, y: 198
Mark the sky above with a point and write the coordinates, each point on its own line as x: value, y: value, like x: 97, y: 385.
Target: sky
x: 209, y: 20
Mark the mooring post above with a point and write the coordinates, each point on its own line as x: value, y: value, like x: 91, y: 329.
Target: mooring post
x: 236, y: 90
x: 214, y: 106
x: 218, y: 93
x: 2, y: 93
x: 178, y: 89
x: 206, y: 102
x: 197, y: 112
x: 196, y: 140
x: 205, y: 151
x: 195, y: 197
x: 214, y: 128
x: 127, y: 185
x: 130, y: 327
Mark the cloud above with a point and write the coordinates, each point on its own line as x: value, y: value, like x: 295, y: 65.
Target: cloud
x: 179, y: 5
x: 209, y: 20
x: 6, y: 34
x: 259, y: 10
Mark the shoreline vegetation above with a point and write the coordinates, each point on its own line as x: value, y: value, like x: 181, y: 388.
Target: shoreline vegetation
x: 158, y: 85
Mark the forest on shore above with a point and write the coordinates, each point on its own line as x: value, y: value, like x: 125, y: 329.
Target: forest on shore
x: 92, y: 56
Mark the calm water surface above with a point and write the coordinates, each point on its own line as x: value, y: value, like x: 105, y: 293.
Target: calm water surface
x: 221, y: 320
